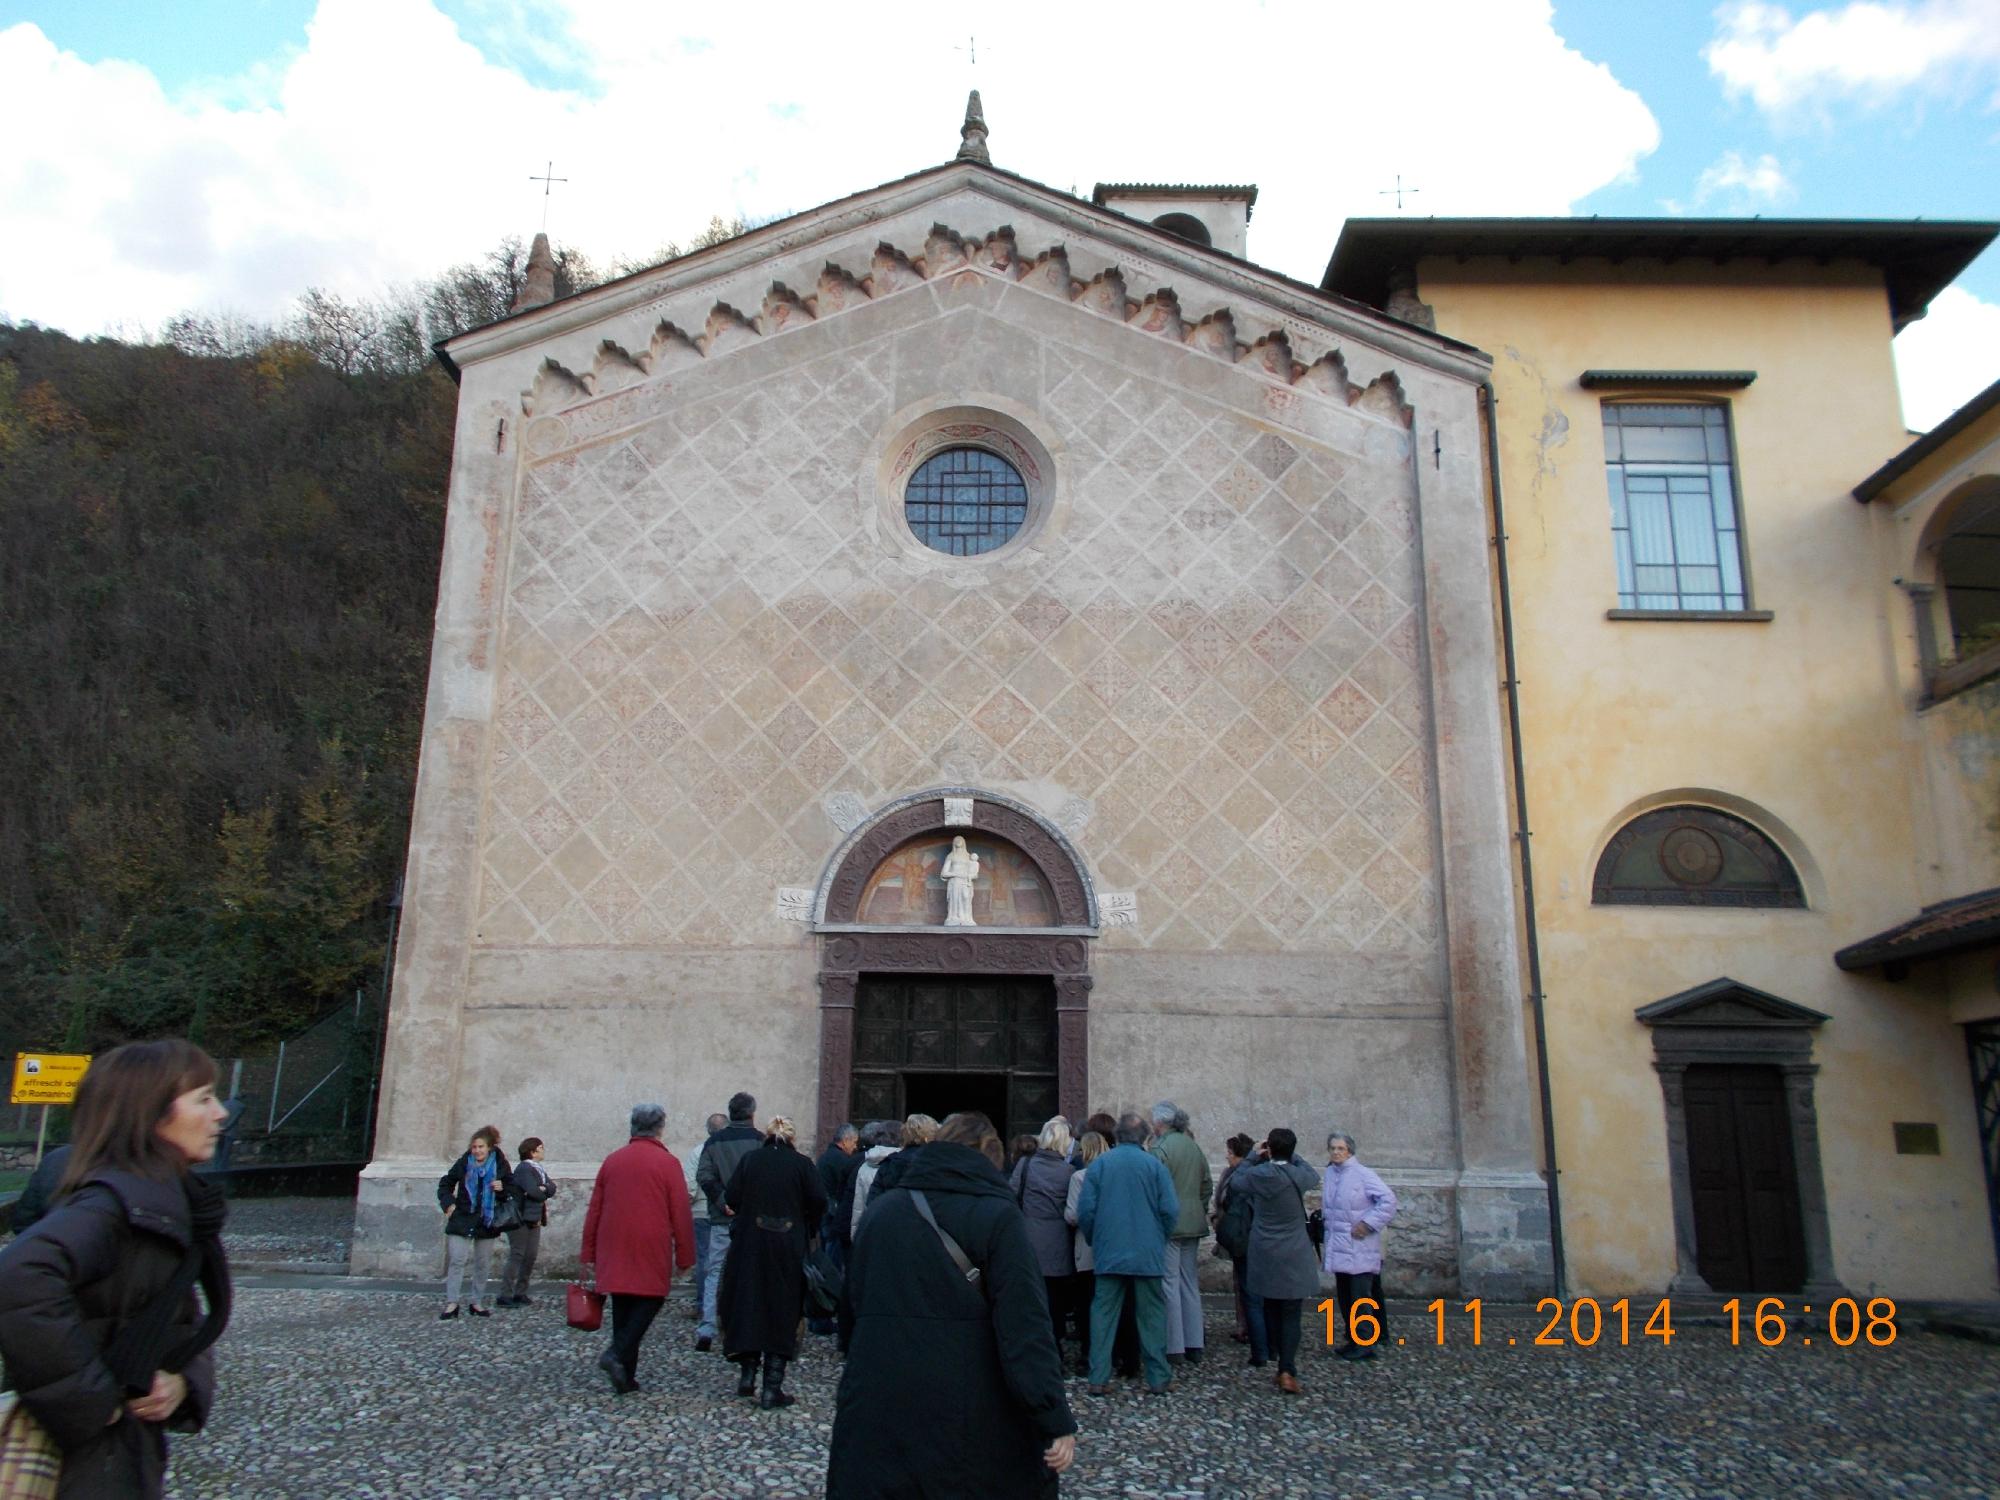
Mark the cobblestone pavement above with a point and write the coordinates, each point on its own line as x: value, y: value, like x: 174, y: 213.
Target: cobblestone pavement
x: 289, y: 1229
x: 344, y: 1390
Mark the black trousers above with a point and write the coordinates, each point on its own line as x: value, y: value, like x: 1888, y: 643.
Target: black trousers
x: 1350, y: 1287
x: 631, y: 1316
x: 1069, y: 1302
x: 1281, y: 1328
x: 1125, y: 1346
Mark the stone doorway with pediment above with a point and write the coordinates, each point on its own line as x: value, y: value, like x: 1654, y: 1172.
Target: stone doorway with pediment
x: 912, y: 1009
x: 1749, y: 1199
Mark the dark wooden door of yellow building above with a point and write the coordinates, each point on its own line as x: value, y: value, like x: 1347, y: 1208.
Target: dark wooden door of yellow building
x: 1749, y: 1236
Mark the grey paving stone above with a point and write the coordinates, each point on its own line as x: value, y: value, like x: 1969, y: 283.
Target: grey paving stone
x: 363, y: 1392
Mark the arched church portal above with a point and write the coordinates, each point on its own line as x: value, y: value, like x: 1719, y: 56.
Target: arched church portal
x: 920, y: 1017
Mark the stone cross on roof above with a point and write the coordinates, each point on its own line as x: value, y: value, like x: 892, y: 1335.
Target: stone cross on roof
x: 972, y: 134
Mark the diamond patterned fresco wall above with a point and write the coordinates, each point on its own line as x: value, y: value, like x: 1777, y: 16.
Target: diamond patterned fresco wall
x: 1220, y: 651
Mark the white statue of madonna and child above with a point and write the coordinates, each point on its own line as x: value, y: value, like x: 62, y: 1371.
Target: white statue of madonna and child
x: 961, y: 869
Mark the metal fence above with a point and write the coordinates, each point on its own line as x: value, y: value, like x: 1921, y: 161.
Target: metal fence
x: 309, y: 1100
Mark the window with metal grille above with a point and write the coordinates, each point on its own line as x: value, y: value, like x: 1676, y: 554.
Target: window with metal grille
x: 965, y: 501
x: 1674, y: 521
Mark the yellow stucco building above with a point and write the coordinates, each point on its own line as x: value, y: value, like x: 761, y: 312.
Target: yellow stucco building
x: 1752, y: 637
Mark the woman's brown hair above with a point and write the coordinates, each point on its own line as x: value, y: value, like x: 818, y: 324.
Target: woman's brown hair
x: 970, y: 1128
x: 125, y: 1095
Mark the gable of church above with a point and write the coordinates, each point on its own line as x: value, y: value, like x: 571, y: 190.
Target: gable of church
x: 717, y: 625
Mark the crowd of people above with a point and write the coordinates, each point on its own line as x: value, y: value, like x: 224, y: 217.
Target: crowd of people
x: 950, y: 1269
x: 962, y: 1269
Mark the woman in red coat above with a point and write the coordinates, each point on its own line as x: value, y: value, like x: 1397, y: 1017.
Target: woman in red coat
x: 637, y: 1233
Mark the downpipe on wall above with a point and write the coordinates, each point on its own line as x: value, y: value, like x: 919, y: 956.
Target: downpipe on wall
x: 1489, y: 402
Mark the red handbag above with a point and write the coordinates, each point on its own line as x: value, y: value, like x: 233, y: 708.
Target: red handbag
x: 586, y: 1307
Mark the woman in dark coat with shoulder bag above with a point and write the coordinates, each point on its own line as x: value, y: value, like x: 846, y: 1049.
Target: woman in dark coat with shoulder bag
x: 472, y: 1188
x: 532, y: 1187
x: 776, y: 1199
x: 951, y: 1387
x: 1282, y: 1269
x: 104, y: 1341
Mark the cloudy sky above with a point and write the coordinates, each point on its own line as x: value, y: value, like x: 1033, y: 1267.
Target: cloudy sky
x: 226, y: 154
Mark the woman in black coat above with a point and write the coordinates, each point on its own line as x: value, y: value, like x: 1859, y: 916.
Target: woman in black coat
x: 775, y: 1199
x: 468, y: 1193
x: 950, y: 1388
x: 99, y: 1326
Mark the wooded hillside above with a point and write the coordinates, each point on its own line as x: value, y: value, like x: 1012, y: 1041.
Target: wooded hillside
x: 218, y: 565
x: 216, y: 584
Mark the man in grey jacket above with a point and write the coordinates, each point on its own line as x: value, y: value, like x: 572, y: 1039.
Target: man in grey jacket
x: 719, y: 1157
x: 699, y: 1202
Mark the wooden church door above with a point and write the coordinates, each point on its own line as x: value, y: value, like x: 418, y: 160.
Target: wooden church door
x: 1748, y: 1231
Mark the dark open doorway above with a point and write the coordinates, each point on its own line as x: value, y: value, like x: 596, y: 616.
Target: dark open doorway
x: 938, y: 1044
x: 941, y: 1094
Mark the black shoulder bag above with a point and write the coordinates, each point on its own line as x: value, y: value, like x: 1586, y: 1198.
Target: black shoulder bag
x: 1315, y: 1221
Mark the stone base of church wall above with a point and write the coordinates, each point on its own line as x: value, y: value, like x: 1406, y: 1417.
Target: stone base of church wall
x: 1504, y: 1247
x: 398, y: 1228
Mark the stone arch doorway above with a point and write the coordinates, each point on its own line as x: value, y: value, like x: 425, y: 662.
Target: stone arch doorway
x: 1749, y: 1201
x: 997, y: 1007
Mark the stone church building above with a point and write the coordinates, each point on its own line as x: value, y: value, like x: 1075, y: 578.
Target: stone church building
x: 964, y: 508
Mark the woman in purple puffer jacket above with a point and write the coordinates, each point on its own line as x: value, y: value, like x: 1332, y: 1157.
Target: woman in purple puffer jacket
x: 1358, y: 1206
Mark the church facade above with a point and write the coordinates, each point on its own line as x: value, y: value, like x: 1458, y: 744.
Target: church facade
x: 963, y: 509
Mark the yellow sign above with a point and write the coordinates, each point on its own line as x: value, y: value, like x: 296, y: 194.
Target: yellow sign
x: 47, y: 1077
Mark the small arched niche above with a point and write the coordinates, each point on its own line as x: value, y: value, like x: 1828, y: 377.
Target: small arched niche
x: 907, y: 888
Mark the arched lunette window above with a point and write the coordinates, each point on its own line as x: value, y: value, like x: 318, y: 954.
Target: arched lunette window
x: 1693, y: 856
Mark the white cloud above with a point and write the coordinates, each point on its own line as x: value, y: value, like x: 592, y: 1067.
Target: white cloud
x: 1742, y: 185
x: 1864, y: 50
x: 1739, y: 181
x: 393, y: 143
x: 1947, y: 358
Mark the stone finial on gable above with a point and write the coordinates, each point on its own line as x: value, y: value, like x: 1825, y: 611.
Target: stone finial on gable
x: 972, y: 134
x: 538, y: 286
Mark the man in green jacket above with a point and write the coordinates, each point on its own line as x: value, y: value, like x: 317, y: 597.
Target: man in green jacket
x: 1188, y: 1166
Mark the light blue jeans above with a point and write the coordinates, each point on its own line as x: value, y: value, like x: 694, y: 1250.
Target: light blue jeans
x: 711, y: 1283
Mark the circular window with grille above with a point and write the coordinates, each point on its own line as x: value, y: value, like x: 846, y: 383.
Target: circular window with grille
x: 965, y: 501
x: 963, y: 485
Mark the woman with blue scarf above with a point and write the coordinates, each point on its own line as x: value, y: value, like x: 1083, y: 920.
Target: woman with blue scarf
x: 468, y: 1194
